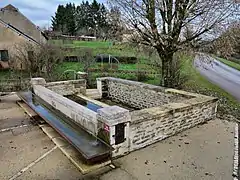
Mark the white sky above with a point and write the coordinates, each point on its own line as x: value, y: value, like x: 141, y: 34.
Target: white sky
x: 39, y: 11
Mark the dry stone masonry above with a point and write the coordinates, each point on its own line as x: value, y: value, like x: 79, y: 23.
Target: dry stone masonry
x: 160, y: 113
x: 68, y: 87
x: 163, y: 112
x: 139, y: 95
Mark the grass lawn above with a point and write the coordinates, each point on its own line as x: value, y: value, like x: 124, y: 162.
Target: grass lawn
x: 101, y: 47
x: 229, y: 63
x: 77, y: 66
x: 88, y: 44
x: 197, y: 83
x: 130, y: 67
x: 92, y: 44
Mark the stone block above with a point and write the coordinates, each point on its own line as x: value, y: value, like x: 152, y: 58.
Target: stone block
x: 38, y: 81
x: 113, y: 115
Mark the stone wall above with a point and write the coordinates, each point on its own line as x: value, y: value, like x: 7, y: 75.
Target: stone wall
x: 148, y: 126
x: 9, y: 40
x: 80, y: 114
x: 139, y: 95
x: 68, y: 87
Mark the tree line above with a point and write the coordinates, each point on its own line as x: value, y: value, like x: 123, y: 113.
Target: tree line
x: 92, y: 19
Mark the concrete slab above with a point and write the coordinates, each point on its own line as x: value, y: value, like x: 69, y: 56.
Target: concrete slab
x: 17, y: 150
x: 204, y: 152
x: 70, y: 152
x: 55, y: 167
x: 22, y: 146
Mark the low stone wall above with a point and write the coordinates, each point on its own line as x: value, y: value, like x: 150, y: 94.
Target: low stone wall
x: 139, y: 95
x: 80, y: 114
x: 167, y: 112
x: 68, y: 87
x: 150, y: 125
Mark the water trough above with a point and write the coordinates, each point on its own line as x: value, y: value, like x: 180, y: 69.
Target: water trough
x: 92, y: 148
x: 128, y: 115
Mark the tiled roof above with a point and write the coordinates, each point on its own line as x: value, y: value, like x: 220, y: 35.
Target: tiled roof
x: 10, y: 8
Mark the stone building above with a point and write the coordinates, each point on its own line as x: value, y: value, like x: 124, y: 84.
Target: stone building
x: 16, y: 29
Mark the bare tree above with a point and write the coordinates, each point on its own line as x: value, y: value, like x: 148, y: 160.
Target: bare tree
x: 228, y: 44
x: 162, y: 23
x: 36, y: 60
x: 116, y: 28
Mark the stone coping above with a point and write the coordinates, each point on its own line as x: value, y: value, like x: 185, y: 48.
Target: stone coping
x: 192, y: 99
x: 134, y: 83
x: 65, y: 82
x: 151, y: 87
x: 171, y: 108
x: 92, y: 100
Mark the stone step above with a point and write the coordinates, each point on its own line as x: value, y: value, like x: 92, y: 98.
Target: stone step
x: 93, y: 93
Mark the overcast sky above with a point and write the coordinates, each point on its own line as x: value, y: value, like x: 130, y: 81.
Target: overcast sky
x: 40, y: 11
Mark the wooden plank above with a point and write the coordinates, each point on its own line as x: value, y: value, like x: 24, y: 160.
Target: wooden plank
x: 27, y: 109
x: 70, y: 152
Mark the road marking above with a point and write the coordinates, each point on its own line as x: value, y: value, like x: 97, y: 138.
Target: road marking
x: 235, y: 160
x: 32, y: 164
x: 12, y: 128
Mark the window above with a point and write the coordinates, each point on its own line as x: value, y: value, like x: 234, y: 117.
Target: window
x: 119, y: 133
x: 4, y: 55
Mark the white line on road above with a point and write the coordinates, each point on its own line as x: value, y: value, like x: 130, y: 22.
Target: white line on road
x: 32, y: 164
x: 235, y: 160
x: 11, y: 128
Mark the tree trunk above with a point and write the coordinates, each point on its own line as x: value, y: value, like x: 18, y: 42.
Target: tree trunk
x: 167, y: 70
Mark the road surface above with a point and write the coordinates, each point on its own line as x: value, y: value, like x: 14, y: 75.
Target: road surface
x: 220, y: 74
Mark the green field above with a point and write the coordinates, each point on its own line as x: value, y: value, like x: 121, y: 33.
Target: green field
x: 229, y: 63
x: 101, y: 47
x: 92, y: 44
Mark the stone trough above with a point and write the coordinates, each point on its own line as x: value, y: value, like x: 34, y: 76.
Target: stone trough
x: 157, y: 112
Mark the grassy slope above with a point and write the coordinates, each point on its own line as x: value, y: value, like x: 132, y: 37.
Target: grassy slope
x: 100, y: 47
x: 79, y: 66
x: 229, y: 63
x: 91, y: 44
x: 197, y: 83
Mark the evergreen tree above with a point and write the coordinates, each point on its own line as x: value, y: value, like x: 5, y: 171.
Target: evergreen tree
x: 58, y: 21
x: 87, y: 18
x: 70, y: 19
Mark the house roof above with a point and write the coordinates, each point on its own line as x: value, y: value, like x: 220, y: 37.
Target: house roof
x: 10, y: 8
x: 11, y: 16
x: 18, y: 31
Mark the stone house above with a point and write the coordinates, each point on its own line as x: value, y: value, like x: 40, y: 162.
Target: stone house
x: 16, y: 29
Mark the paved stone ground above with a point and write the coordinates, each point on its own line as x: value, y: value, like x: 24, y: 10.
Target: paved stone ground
x: 204, y: 152
x: 22, y: 146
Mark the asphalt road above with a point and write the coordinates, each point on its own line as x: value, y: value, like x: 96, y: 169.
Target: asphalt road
x: 220, y: 74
